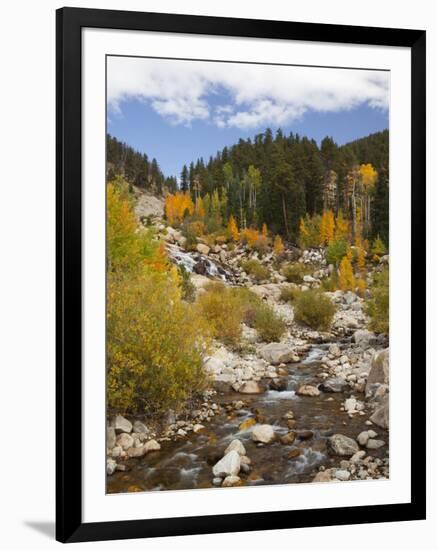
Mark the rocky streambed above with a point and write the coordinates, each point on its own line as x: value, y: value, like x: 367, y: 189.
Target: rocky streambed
x: 306, y: 437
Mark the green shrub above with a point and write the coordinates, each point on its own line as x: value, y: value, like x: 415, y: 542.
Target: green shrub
x: 268, y: 324
x: 330, y: 284
x: 294, y: 273
x: 314, y: 309
x: 289, y: 293
x: 336, y: 252
x: 256, y: 269
x: 223, y: 311
x: 378, y: 304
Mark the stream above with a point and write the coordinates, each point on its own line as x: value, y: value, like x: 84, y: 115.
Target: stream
x: 187, y: 463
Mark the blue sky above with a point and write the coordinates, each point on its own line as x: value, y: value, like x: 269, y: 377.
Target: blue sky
x: 178, y: 111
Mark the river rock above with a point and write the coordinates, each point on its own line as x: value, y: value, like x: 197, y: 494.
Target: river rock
x: 235, y: 445
x: 229, y: 465
x: 231, y: 481
x: 140, y: 428
x: 350, y: 405
x: 110, y: 466
x: 278, y: 353
x: 136, y: 452
x: 288, y: 439
x: 308, y: 390
x: 121, y: 424
x: 203, y: 249
x: 250, y: 387
x: 364, y: 337
x: 342, y: 445
x: 333, y: 385
x: 357, y: 457
x: 125, y: 441
x: 214, y: 365
x: 294, y: 453
x: 342, y: 475
x: 363, y: 438
x: 334, y: 350
x: 110, y: 438
x: 375, y: 443
x: 379, y: 372
x: 263, y: 433
x: 322, y: 477
x: 381, y: 415
x: 151, y: 445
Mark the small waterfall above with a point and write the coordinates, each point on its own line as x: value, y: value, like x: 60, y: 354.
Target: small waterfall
x: 194, y: 262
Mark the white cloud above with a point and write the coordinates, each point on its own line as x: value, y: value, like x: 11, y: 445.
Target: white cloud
x: 259, y: 95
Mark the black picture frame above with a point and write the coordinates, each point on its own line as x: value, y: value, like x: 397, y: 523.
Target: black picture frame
x: 69, y: 23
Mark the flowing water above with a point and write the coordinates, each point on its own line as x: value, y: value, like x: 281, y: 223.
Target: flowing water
x: 187, y: 463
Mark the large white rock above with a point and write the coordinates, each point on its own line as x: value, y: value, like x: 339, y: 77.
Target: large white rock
x: 122, y: 424
x: 363, y: 337
x: 151, y: 445
x: 140, y: 428
x: 236, y: 445
x: 263, y: 433
x: 277, y: 353
x: 229, y: 465
x: 125, y: 441
x: 308, y: 390
x: 110, y: 466
x: 203, y: 249
x: 381, y: 415
x: 214, y: 365
x: 379, y: 372
x: 342, y: 445
x: 250, y: 387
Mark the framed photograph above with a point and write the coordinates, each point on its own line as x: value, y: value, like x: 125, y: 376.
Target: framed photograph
x: 240, y: 274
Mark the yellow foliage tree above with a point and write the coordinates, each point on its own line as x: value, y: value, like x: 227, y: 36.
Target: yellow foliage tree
x: 233, y: 228
x: 177, y: 206
x: 264, y: 230
x: 250, y: 236
x: 327, y: 227
x: 199, y: 208
x: 278, y: 246
x: 341, y: 227
x: 368, y: 176
x: 346, y: 279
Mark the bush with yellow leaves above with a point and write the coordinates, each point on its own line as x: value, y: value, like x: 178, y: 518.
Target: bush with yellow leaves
x: 155, y: 343
x: 155, y: 339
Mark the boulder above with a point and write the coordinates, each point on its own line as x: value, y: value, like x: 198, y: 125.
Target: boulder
x: 202, y: 249
x: 334, y: 350
x: 236, y: 445
x: 151, y: 445
x: 263, y: 433
x: 363, y: 438
x: 350, y: 405
x: 121, y: 424
x: 277, y: 353
x: 214, y: 365
x: 136, y: 452
x: 342, y: 475
x: 110, y: 438
x: 140, y: 428
x: 379, y: 372
x: 333, y: 385
x: 250, y: 387
x: 231, y: 481
x: 342, y: 445
x: 110, y: 466
x: 364, y: 337
x: 125, y: 441
x: 288, y: 439
x: 229, y: 465
x: 308, y: 390
x: 322, y: 477
x: 380, y: 417
x: 375, y: 443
